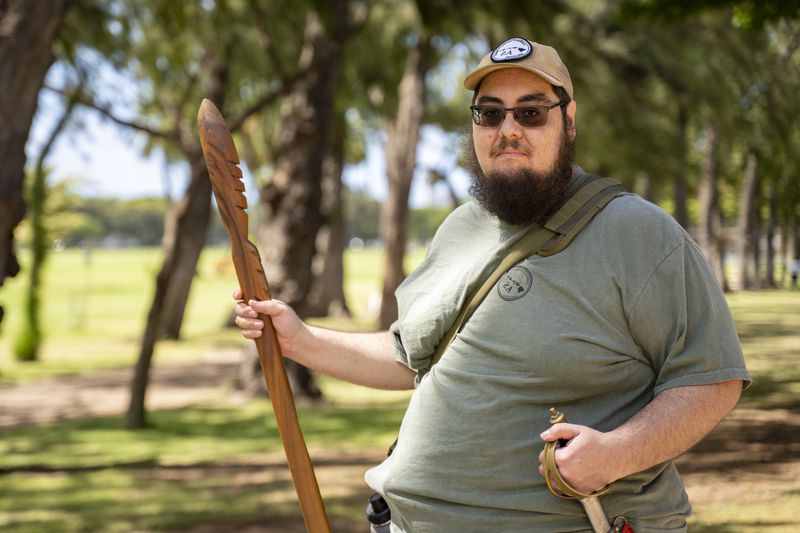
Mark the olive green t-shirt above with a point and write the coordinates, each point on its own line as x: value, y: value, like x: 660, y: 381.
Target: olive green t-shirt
x: 628, y: 310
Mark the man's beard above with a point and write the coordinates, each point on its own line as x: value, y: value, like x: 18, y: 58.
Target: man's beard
x: 523, y: 196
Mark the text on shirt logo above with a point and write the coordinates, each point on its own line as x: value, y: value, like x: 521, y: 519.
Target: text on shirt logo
x: 515, y: 283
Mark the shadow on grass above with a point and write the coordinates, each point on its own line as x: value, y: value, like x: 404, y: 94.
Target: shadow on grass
x: 151, y: 500
x: 753, y: 331
x: 745, y: 445
x: 770, y: 392
x: 189, y: 435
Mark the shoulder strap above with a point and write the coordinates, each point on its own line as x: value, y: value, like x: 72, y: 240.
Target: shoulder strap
x: 591, y: 194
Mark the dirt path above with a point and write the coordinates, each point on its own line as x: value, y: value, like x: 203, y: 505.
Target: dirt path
x: 106, y: 393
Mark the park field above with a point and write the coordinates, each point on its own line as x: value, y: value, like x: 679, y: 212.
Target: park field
x: 211, y: 460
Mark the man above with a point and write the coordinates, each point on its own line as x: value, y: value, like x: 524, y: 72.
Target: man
x: 625, y: 330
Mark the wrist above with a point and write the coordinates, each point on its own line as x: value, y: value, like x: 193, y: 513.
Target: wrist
x: 622, y: 457
x: 305, y: 342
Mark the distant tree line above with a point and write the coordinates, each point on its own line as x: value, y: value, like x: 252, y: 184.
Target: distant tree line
x: 71, y: 219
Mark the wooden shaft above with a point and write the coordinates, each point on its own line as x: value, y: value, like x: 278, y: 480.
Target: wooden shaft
x: 305, y: 481
x: 596, y: 515
x: 222, y: 162
x: 253, y: 283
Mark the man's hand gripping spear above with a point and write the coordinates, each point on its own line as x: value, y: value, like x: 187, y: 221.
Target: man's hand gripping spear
x: 222, y: 162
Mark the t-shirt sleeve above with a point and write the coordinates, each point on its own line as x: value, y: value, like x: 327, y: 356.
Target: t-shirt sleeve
x: 683, y: 324
x: 400, y: 354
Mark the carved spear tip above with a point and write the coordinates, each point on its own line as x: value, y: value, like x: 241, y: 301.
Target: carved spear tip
x: 208, y: 111
x: 210, y: 124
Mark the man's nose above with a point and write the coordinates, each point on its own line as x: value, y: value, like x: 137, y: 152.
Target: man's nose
x: 510, y: 128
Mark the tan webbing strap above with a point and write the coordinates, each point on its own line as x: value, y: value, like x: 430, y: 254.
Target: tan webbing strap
x: 582, y: 216
x: 587, y: 191
x: 594, y: 193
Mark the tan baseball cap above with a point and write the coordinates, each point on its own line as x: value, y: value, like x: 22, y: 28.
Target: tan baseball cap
x: 521, y: 53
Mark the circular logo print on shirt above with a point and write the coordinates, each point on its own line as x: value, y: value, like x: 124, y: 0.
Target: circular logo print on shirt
x: 515, y: 283
x: 511, y: 50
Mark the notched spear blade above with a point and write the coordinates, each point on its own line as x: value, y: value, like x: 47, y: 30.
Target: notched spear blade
x: 222, y: 162
x: 226, y: 180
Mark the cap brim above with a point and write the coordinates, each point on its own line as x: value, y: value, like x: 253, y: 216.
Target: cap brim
x: 472, y: 81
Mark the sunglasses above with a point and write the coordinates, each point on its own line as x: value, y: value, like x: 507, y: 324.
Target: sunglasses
x: 527, y: 116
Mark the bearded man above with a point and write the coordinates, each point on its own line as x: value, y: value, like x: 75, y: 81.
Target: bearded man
x: 626, y: 329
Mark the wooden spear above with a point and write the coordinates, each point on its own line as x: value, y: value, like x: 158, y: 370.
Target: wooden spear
x: 226, y: 179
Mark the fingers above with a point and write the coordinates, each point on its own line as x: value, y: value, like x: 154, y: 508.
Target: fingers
x: 561, y: 431
x: 249, y: 323
x: 243, y: 310
x: 252, y: 308
x: 247, y: 314
x: 272, y: 308
x: 252, y: 333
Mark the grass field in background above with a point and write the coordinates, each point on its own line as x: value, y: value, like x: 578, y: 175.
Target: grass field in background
x: 94, y: 307
x: 221, y: 467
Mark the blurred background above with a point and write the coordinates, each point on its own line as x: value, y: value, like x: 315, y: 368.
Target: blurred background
x: 128, y: 403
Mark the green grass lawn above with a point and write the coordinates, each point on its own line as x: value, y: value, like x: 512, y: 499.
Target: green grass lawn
x: 221, y: 467
x: 95, y: 306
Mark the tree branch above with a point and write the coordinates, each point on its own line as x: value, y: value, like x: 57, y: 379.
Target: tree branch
x: 266, y: 40
x: 106, y: 111
x: 287, y: 83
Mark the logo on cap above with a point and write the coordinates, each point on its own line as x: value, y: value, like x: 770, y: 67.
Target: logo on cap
x: 512, y: 50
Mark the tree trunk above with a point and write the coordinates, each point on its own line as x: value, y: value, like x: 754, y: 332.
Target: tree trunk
x: 755, y: 238
x: 681, y: 213
x: 181, y: 235
x: 401, y: 159
x: 772, y: 223
x: 176, y: 232
x: 709, y: 218
x: 29, y: 340
x: 291, y: 216
x: 27, y: 32
x: 189, y: 248
x: 327, y: 297
x: 744, y: 226
x: 785, y: 258
x: 796, y: 238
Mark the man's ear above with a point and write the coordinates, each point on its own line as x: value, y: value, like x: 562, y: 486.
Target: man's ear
x: 572, y: 108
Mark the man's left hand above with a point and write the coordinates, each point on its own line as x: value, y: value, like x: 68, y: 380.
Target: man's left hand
x: 588, y: 461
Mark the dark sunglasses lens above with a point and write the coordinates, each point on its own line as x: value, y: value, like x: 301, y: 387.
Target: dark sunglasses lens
x: 491, y: 116
x: 526, y: 116
x: 530, y: 116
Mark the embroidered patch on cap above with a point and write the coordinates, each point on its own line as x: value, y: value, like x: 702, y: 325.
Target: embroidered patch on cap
x: 511, y: 50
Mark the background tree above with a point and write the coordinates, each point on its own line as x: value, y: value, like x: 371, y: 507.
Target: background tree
x: 29, y: 338
x: 28, y: 31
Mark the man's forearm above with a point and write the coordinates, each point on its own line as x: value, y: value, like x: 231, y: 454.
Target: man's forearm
x: 669, y: 425
x: 672, y: 423
x: 361, y: 358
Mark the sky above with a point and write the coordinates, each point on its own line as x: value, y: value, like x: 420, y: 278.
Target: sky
x: 106, y: 160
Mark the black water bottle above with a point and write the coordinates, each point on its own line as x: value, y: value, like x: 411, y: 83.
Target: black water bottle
x: 378, y: 514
